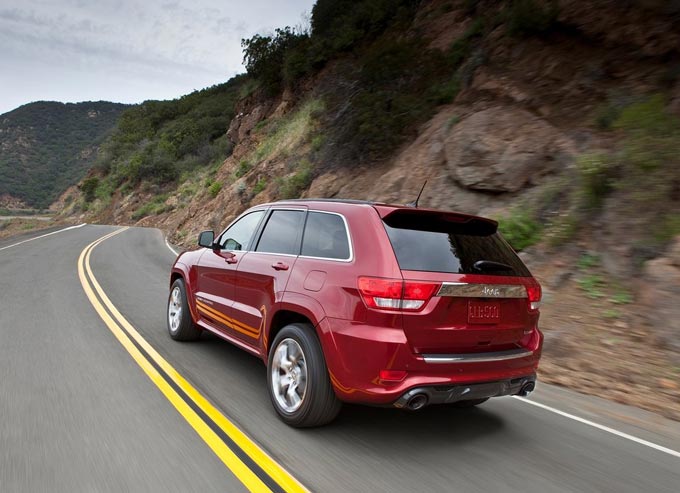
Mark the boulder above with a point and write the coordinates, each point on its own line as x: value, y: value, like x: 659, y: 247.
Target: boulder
x: 659, y: 295
x: 504, y: 149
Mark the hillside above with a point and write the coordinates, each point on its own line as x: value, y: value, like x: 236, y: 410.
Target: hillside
x: 45, y: 147
x: 559, y: 118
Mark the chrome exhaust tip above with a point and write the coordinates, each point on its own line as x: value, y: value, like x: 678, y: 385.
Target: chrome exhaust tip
x: 416, y: 402
x: 527, y: 389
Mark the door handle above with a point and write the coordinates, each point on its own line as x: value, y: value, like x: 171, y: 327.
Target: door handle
x: 280, y: 266
x: 231, y: 260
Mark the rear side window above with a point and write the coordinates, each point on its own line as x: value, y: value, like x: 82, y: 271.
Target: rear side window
x: 326, y: 237
x: 446, y: 247
x: 282, y: 233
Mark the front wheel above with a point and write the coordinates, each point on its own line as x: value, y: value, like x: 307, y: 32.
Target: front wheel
x: 180, y: 325
x: 297, y: 378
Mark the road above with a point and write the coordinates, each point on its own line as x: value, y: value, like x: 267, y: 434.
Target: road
x: 80, y: 414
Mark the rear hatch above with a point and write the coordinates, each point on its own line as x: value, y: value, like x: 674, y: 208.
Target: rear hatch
x: 484, y: 298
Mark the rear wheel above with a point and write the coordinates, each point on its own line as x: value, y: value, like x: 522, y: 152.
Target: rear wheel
x: 297, y: 378
x: 180, y: 325
x: 469, y: 403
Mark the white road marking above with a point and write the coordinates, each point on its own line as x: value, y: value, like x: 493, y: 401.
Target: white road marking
x: 43, y: 236
x: 618, y: 433
x: 171, y: 249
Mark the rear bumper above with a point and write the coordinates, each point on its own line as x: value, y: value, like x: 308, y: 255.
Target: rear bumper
x: 454, y: 393
x: 356, y: 354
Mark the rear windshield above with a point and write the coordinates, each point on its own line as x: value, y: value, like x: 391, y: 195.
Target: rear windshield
x: 446, y: 247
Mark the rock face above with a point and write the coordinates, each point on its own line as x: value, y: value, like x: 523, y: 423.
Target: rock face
x: 660, y: 295
x: 503, y: 149
x: 242, y: 124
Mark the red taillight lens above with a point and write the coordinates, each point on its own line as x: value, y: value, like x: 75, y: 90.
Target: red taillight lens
x: 395, y: 294
x: 534, y: 295
x: 417, y: 293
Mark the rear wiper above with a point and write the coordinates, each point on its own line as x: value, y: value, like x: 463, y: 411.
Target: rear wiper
x: 490, y: 265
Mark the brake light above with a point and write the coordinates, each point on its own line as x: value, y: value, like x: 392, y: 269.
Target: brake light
x: 395, y: 294
x: 534, y: 296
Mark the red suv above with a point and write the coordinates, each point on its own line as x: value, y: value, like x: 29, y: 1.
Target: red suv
x: 349, y: 301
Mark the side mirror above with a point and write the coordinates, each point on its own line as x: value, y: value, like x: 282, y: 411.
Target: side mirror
x: 206, y: 239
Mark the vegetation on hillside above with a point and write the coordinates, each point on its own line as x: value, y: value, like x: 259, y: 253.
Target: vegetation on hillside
x: 390, y: 80
x: 46, y: 147
x: 158, y: 141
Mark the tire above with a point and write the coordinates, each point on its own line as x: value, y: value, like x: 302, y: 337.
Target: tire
x: 470, y: 403
x: 180, y: 325
x: 296, y: 359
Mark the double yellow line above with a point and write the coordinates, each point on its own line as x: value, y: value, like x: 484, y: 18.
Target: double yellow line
x: 249, y: 463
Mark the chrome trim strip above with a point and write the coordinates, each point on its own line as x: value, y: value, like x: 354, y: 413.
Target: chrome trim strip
x: 467, y: 290
x: 477, y: 357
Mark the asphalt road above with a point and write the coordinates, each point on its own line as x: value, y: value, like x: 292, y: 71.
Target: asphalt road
x: 78, y: 414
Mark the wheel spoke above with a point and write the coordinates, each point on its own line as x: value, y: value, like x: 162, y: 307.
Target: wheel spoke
x: 292, y: 396
x: 288, y: 375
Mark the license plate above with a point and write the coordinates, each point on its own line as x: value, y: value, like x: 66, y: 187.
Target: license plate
x: 484, y: 312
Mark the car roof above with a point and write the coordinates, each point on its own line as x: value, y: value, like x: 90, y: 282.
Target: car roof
x: 384, y: 209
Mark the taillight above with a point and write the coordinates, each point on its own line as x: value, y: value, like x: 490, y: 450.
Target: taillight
x: 534, y: 295
x: 395, y: 294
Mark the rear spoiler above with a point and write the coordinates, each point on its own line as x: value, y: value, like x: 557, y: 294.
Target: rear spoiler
x: 437, y: 221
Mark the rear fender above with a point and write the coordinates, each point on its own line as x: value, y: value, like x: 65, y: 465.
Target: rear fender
x: 312, y: 309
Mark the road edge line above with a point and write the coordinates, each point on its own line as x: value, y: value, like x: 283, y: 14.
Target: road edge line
x: 167, y: 244
x: 607, y: 429
x: 43, y: 236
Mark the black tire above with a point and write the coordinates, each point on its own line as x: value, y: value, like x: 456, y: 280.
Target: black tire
x: 185, y: 329
x: 469, y: 403
x: 319, y: 404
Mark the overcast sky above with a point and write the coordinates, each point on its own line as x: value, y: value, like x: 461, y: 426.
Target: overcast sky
x: 125, y: 50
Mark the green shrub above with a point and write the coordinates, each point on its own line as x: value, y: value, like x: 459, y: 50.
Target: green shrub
x: 154, y: 207
x: 264, y: 56
x: 520, y: 229
x: 292, y: 186
x: 530, y: 17
x: 596, y: 175
x: 243, y: 167
x: 592, y: 284
x: 587, y: 261
x: 89, y: 188
x: 452, y: 122
x: 400, y: 82
x: 317, y: 142
x: 562, y: 229
x: 215, y: 188
x: 259, y: 186
x: 461, y: 48
x: 105, y: 190
x: 667, y: 227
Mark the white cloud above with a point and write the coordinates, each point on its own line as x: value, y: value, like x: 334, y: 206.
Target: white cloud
x: 129, y: 51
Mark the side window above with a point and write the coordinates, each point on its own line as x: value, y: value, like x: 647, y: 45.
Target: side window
x: 325, y: 236
x: 239, y: 234
x: 282, y: 233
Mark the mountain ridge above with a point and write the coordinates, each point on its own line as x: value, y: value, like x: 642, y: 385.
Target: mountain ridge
x: 47, y: 146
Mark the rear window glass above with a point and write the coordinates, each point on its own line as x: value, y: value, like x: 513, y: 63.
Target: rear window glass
x: 325, y: 236
x: 449, y: 249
